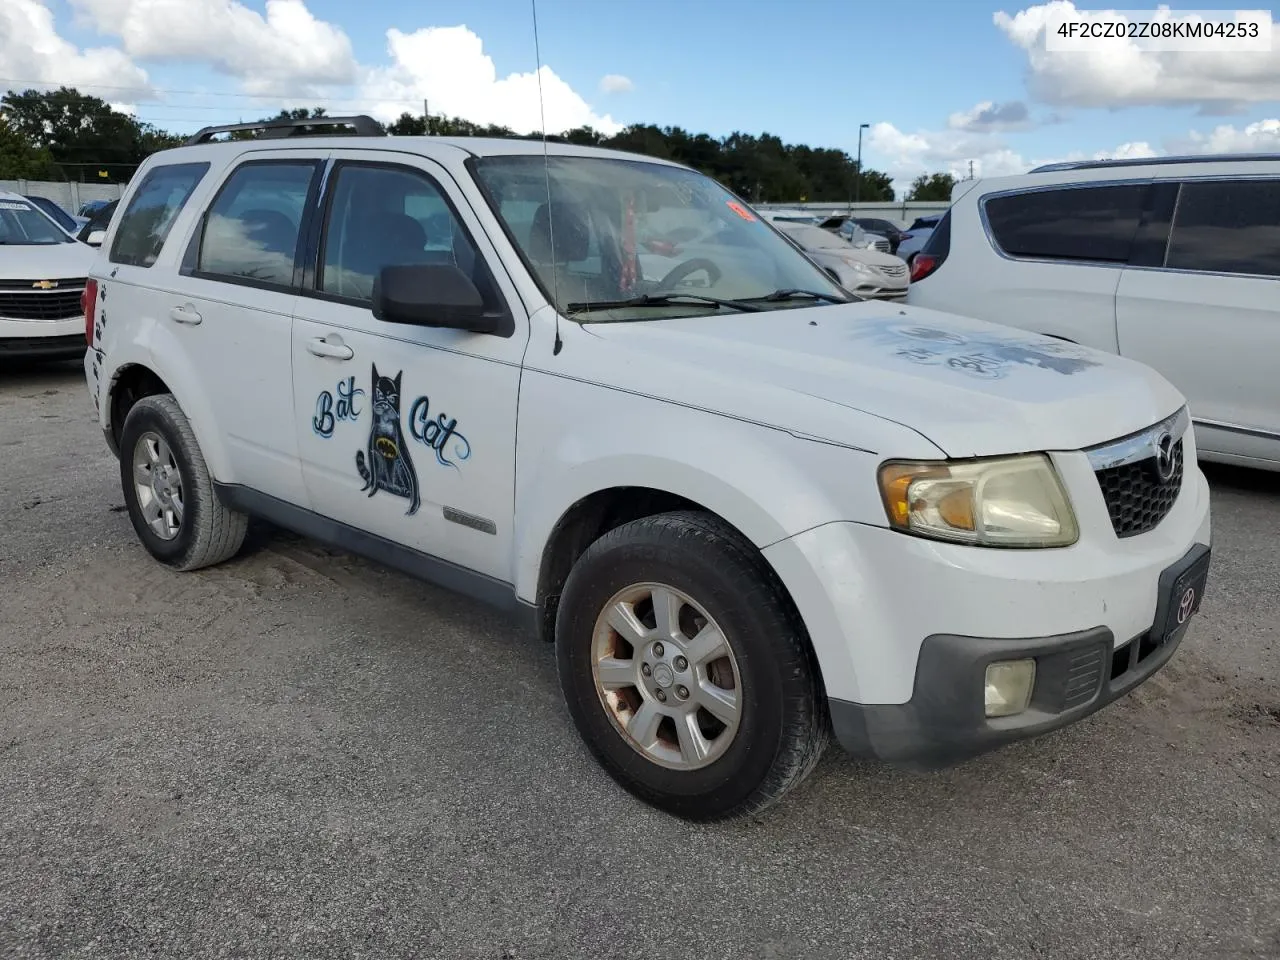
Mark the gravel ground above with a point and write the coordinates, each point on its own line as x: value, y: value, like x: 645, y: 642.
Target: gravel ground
x: 300, y: 754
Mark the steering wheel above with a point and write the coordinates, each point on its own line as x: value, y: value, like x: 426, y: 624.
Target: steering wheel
x: 680, y: 271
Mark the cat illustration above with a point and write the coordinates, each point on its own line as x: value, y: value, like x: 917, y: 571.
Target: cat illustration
x: 385, y: 463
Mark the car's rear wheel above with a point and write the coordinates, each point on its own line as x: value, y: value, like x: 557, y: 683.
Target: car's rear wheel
x: 168, y: 491
x: 686, y: 670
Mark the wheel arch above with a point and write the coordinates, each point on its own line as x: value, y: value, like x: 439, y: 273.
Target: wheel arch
x: 593, y: 515
x: 139, y: 376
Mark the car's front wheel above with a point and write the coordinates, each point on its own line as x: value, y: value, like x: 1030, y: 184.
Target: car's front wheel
x: 685, y: 669
x: 169, y: 492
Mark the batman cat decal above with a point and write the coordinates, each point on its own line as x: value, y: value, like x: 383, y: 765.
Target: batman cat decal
x: 385, y: 463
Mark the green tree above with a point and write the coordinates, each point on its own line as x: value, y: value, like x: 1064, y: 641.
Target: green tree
x: 932, y: 186
x: 20, y: 159
x: 78, y: 131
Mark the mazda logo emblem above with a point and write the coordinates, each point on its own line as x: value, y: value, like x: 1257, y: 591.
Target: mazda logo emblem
x: 1165, y: 462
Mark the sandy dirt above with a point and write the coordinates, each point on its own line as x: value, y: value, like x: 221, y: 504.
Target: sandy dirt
x: 302, y: 754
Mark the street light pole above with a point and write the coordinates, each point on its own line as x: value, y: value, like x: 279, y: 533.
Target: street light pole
x: 857, y: 183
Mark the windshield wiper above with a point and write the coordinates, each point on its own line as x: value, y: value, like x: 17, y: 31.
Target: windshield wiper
x: 794, y: 293
x: 661, y: 300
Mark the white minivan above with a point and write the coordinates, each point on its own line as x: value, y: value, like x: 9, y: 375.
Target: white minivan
x: 751, y: 510
x: 1173, y: 261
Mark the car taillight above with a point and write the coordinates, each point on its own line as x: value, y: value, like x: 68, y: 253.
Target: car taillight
x: 923, y: 265
x: 89, y: 303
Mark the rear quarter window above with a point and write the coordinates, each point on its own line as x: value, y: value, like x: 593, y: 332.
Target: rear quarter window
x: 152, y: 210
x: 1073, y: 223
x: 1227, y: 226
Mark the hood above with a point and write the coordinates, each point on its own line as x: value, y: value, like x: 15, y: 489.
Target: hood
x: 53, y: 261
x: 868, y: 255
x: 971, y: 387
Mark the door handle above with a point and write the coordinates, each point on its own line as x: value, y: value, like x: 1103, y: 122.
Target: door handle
x: 185, y: 314
x: 321, y: 347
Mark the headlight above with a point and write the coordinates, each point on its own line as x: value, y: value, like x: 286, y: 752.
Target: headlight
x: 1005, y: 502
x: 857, y: 265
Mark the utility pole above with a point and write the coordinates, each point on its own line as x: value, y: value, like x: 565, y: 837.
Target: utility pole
x: 857, y: 183
x: 426, y: 117
x: 970, y: 169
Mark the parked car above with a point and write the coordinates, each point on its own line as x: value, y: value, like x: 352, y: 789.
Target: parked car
x: 95, y: 229
x: 66, y: 221
x: 42, y: 277
x: 885, y: 228
x: 1173, y: 262
x: 849, y: 229
x: 866, y: 272
x: 90, y: 207
x: 789, y: 216
x: 917, y: 235
x: 748, y: 515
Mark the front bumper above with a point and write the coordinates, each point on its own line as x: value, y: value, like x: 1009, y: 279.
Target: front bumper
x: 1076, y: 674
x: 66, y: 347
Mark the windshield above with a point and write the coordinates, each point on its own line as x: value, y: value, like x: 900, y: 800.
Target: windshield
x: 621, y: 230
x: 21, y: 224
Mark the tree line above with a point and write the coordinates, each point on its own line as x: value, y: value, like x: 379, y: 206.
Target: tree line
x: 66, y: 135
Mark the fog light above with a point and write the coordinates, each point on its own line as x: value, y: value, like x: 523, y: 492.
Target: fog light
x: 1009, y: 686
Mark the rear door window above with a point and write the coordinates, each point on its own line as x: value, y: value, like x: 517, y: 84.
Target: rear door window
x: 1094, y: 223
x: 152, y: 210
x: 1227, y: 226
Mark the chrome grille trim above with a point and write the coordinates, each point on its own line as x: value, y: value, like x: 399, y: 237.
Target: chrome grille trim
x: 1139, y: 446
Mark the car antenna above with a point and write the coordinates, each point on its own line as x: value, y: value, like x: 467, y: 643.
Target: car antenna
x: 546, y: 162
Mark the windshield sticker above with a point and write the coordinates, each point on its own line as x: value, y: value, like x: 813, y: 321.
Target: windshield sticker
x: 740, y: 210
x: 985, y: 356
x: 440, y: 434
x: 385, y: 463
x: 12, y: 205
x: 329, y: 412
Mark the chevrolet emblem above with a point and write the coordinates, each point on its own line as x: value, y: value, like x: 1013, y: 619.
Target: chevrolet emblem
x: 44, y: 285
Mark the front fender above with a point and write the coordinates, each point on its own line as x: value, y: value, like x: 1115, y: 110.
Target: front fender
x: 767, y: 483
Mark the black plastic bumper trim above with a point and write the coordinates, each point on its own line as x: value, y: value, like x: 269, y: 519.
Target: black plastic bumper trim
x: 944, y: 722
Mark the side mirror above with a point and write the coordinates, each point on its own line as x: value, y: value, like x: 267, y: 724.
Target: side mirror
x: 430, y: 296
x: 95, y: 238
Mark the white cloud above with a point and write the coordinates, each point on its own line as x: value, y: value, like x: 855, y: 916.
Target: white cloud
x: 616, y: 83
x: 991, y: 116
x: 1122, y: 74
x: 448, y: 67
x: 128, y: 108
x: 907, y: 155
x: 275, y: 53
x: 32, y: 52
x: 1264, y: 135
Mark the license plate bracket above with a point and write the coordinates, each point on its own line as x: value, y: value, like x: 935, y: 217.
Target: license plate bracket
x: 1182, y: 589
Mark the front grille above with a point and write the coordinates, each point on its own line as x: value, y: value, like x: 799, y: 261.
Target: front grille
x: 1137, y: 498
x: 894, y: 272
x: 22, y: 300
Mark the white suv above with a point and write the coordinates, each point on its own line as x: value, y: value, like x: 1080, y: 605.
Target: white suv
x: 749, y: 508
x: 1174, y: 262
x: 42, y: 279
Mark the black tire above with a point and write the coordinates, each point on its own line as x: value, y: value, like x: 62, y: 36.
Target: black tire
x: 209, y: 532
x: 783, y: 726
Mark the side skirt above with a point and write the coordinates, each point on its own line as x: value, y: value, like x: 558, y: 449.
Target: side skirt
x: 442, y: 573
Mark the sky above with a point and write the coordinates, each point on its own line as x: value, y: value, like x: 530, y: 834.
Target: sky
x: 942, y: 84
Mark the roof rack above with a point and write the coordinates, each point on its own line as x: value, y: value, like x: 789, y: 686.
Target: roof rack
x: 1153, y: 161
x: 362, y: 126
